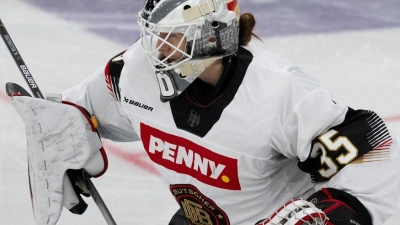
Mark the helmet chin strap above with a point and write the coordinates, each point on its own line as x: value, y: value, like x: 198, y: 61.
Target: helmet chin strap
x: 196, y: 67
x: 173, y: 82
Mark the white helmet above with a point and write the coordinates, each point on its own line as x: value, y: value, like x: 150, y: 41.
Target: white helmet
x: 210, y: 30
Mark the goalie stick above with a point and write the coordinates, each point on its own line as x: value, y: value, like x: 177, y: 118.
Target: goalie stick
x: 15, y: 89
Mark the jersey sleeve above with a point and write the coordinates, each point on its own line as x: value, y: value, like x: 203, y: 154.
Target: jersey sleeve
x: 311, y: 116
x: 326, y: 136
x: 361, y: 132
x: 99, y: 94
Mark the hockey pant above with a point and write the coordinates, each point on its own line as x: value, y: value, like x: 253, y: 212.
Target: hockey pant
x: 340, y: 207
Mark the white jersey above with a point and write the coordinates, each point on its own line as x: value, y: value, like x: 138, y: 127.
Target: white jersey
x: 235, y: 161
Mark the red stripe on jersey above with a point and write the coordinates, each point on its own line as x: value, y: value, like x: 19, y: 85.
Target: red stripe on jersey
x: 384, y: 145
x: 186, y: 157
x: 108, y: 79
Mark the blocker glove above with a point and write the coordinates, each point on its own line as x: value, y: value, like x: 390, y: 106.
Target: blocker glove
x: 63, y: 144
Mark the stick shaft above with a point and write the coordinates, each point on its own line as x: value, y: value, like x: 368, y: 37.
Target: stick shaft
x: 20, y: 62
x: 99, y: 201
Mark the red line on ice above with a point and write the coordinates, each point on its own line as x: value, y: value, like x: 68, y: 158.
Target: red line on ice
x: 392, y: 118
x: 3, y: 96
x: 137, y: 159
x: 140, y: 159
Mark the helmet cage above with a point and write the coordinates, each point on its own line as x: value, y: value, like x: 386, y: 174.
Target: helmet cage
x: 150, y: 35
x: 209, y: 31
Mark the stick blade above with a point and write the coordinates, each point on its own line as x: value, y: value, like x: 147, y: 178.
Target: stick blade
x: 14, y: 89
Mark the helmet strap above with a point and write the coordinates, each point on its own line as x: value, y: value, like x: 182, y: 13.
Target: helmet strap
x: 198, y: 10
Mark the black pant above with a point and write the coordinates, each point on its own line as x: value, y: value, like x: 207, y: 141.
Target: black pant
x: 179, y: 218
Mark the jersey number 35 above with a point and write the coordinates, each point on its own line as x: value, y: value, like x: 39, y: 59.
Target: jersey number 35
x: 333, y: 153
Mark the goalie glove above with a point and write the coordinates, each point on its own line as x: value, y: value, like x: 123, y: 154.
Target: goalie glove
x: 63, y: 144
x: 297, y: 212
x: 341, y: 207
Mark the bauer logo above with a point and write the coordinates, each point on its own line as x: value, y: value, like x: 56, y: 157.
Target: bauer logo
x: 28, y: 76
x: 183, y: 156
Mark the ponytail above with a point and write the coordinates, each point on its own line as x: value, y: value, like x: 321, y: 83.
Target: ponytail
x: 247, y: 22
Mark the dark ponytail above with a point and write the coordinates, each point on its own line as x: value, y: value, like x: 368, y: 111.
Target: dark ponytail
x: 247, y: 23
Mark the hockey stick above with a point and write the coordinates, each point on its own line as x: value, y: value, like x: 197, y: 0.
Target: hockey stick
x: 20, y: 62
x: 38, y: 94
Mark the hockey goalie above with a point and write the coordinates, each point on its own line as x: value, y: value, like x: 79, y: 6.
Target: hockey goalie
x: 241, y: 135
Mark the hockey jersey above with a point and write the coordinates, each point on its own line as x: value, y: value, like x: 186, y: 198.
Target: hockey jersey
x: 237, y: 159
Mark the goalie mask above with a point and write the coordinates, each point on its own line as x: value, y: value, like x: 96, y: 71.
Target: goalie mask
x: 202, y: 32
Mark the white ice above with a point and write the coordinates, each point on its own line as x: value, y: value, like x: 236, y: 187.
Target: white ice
x: 362, y: 68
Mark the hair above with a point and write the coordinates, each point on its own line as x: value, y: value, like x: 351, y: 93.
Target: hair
x: 247, y: 22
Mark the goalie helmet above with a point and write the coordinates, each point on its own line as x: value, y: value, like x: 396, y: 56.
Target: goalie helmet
x: 208, y: 31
